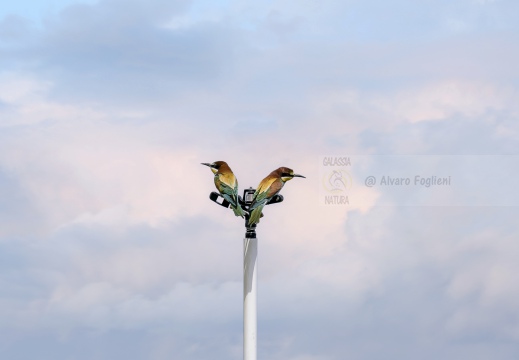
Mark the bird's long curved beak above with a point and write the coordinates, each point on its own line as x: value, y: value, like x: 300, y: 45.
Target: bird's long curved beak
x: 206, y: 164
x: 297, y: 175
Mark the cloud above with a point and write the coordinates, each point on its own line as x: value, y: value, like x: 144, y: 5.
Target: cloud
x: 14, y: 28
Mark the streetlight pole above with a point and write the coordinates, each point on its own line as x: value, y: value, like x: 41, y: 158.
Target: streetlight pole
x: 250, y: 325
x: 250, y: 268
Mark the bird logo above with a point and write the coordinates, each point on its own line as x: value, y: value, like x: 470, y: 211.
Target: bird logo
x: 227, y: 185
x: 267, y: 189
x: 337, y: 181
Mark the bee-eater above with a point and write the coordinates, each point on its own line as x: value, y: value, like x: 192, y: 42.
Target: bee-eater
x: 227, y: 184
x: 267, y: 189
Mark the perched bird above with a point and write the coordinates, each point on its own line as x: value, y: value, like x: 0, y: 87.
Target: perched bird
x: 227, y: 184
x: 267, y: 189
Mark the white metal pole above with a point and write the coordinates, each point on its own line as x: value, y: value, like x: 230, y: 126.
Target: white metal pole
x: 250, y: 256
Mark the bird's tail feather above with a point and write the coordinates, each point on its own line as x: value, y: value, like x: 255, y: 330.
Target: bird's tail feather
x: 255, y: 215
x: 238, y: 211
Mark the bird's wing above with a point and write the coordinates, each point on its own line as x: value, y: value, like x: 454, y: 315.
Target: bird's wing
x: 228, y: 179
x: 269, y: 187
x: 229, y: 193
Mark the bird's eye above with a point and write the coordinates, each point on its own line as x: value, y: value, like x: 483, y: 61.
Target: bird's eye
x: 286, y: 174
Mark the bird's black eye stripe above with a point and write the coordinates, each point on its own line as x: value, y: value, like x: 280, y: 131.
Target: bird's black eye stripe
x: 286, y: 174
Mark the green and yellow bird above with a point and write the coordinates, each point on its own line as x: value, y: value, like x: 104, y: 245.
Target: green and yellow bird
x: 267, y: 189
x: 227, y: 184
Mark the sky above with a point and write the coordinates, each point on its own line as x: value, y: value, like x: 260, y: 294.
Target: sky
x: 110, y: 249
